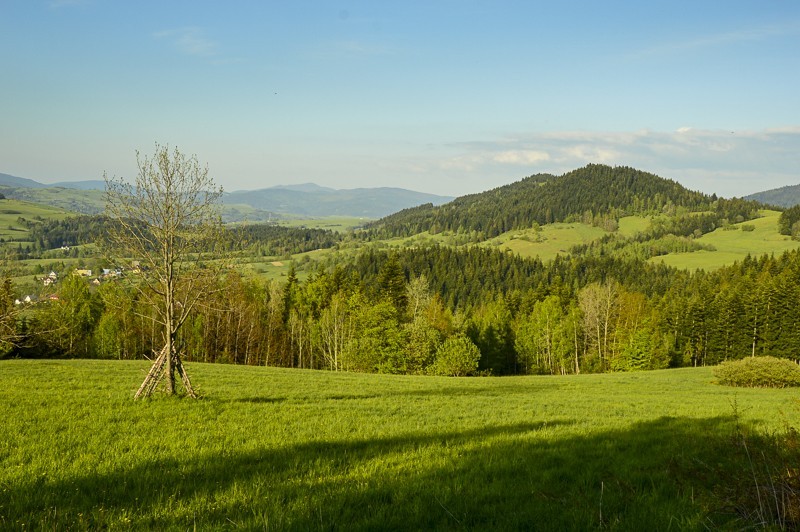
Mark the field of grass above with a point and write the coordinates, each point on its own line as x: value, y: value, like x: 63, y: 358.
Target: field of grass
x: 632, y: 225
x: 11, y: 210
x: 334, y: 223
x: 290, y: 449
x: 552, y: 240
x: 82, y: 201
x: 735, y: 245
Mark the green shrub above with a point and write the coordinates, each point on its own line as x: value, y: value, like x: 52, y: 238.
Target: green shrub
x: 456, y: 357
x: 759, y: 372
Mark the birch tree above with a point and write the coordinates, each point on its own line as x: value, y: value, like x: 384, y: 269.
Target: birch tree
x: 599, y: 305
x: 168, y: 221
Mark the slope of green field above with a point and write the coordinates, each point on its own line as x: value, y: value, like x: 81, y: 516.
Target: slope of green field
x: 290, y: 449
x: 632, y: 225
x: 735, y: 245
x: 70, y: 199
x: 334, y: 223
x: 12, y: 210
x: 551, y: 240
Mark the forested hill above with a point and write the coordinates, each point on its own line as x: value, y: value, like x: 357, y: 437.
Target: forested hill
x: 783, y: 197
x: 592, y: 191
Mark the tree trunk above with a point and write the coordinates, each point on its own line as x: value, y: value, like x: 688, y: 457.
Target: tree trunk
x: 170, y: 366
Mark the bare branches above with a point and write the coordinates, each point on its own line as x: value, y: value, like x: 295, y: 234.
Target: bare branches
x: 168, y: 220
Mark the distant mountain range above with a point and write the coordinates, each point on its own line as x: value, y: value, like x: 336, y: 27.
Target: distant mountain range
x: 788, y: 196
x: 305, y: 200
x: 312, y: 200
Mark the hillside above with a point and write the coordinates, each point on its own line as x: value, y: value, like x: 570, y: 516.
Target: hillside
x: 14, y: 181
x: 75, y: 200
x: 305, y: 200
x: 17, y: 217
x: 313, y: 200
x: 727, y: 245
x: 594, y: 193
x: 788, y: 196
x: 482, y: 290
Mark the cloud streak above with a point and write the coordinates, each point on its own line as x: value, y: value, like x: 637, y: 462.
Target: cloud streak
x: 190, y: 41
x: 730, y: 163
x: 757, y: 34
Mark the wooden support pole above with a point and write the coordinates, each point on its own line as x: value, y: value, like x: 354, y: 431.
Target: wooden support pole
x: 153, y: 376
x: 187, y: 385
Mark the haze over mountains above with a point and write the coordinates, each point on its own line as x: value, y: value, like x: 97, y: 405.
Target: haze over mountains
x: 788, y: 196
x: 306, y: 199
x: 311, y: 200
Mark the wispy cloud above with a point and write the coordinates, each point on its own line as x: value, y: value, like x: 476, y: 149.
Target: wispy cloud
x: 730, y: 163
x: 521, y: 157
x: 350, y: 49
x: 756, y: 34
x: 193, y: 42
x: 190, y: 41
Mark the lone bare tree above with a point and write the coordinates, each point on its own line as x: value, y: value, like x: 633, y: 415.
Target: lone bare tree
x: 168, y: 220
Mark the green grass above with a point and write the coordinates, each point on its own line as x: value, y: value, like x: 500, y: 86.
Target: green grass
x: 68, y: 199
x: 734, y: 245
x: 555, y: 239
x: 334, y: 223
x: 290, y: 449
x: 632, y: 225
x: 11, y: 210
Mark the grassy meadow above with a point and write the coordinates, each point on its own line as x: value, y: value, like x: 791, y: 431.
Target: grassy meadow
x: 732, y: 245
x: 553, y: 239
x: 334, y: 223
x: 60, y: 198
x: 283, y: 449
x: 10, y: 212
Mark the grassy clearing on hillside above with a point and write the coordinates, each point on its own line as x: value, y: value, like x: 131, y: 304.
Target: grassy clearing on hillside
x: 11, y: 210
x: 68, y: 199
x: 632, y: 225
x: 735, y: 245
x: 291, y: 449
x: 552, y: 240
x: 334, y: 223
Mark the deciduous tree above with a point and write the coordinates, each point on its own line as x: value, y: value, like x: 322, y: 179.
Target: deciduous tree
x: 168, y: 220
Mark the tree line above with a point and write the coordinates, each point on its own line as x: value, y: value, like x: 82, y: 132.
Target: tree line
x: 446, y: 311
x: 43, y: 236
x: 428, y: 310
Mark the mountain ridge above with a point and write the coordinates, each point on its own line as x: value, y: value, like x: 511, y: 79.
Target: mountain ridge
x: 594, y: 193
x: 306, y: 199
x: 786, y: 197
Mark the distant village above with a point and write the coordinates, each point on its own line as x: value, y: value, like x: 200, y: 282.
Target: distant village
x: 52, y: 279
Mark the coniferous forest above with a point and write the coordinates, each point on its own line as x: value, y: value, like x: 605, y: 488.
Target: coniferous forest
x: 434, y: 308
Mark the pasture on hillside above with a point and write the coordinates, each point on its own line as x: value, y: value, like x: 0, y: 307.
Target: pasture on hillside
x: 550, y: 240
x: 734, y: 244
x: 271, y: 448
x: 12, y: 230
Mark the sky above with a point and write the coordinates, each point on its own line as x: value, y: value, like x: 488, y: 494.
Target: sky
x: 439, y: 96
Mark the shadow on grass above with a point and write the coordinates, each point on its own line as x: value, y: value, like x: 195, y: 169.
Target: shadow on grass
x: 657, y: 474
x: 446, y: 391
x: 261, y: 400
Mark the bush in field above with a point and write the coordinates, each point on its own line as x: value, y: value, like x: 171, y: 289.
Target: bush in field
x: 759, y: 372
x: 456, y: 357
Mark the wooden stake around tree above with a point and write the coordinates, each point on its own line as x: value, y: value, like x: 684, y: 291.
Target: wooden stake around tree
x: 157, y: 372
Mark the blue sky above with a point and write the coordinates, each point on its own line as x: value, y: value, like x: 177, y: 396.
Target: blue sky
x: 448, y: 97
